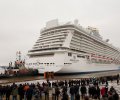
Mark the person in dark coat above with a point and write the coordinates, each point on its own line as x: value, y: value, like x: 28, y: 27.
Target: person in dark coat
x: 72, y: 92
x: 64, y: 95
x: 112, y: 89
x: 57, y: 92
x: 1, y: 92
x: 77, y: 96
x: 90, y: 90
x: 115, y: 96
x: 29, y: 93
x: 21, y: 92
x: 83, y: 91
x: 93, y: 92
x: 8, y: 92
x: 98, y: 92
x: 66, y: 84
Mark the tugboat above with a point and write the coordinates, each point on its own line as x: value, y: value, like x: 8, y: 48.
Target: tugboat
x: 17, y: 69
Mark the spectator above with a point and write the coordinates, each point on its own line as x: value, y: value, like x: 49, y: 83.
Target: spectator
x: 21, y: 92
x: 36, y: 93
x: 29, y: 93
x: 98, y: 92
x: 112, y: 89
x: 72, y: 92
x: 14, y: 92
x: 46, y: 91
x: 53, y: 93
x: 115, y: 95
x: 77, y: 96
x: 26, y: 87
x: 83, y: 91
x: 8, y: 92
x: 102, y: 91
x: 57, y: 92
x: 64, y: 95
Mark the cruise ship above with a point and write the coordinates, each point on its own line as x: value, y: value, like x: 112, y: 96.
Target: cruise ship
x: 68, y: 48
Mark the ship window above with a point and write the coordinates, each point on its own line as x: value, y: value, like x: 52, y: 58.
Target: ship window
x: 47, y: 64
x: 80, y: 56
x: 67, y: 63
x: 69, y: 54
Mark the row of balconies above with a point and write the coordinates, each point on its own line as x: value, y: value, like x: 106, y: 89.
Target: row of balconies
x: 51, y: 39
x: 48, y: 43
x: 51, y: 36
x: 90, y: 50
x: 100, y: 48
x: 48, y: 46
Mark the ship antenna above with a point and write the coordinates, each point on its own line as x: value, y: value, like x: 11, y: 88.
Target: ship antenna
x: 19, y: 56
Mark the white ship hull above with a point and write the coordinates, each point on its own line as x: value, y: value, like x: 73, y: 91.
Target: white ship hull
x: 61, y: 63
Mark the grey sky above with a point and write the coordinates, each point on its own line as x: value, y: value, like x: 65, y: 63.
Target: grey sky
x: 21, y: 21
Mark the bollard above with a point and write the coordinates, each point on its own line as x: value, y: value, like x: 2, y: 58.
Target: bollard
x: 48, y: 75
x: 52, y: 75
x: 44, y: 75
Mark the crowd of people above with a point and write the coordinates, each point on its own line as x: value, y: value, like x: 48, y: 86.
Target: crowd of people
x: 77, y: 89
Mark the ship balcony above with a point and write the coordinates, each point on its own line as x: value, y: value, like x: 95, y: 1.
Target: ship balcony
x: 45, y: 52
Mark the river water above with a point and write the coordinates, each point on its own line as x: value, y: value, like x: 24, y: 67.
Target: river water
x: 40, y: 79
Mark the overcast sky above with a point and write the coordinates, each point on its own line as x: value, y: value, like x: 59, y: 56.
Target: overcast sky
x: 21, y: 21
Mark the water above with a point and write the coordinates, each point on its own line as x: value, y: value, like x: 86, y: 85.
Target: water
x: 40, y: 79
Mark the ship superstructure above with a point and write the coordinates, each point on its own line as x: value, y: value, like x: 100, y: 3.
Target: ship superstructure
x: 70, y: 48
